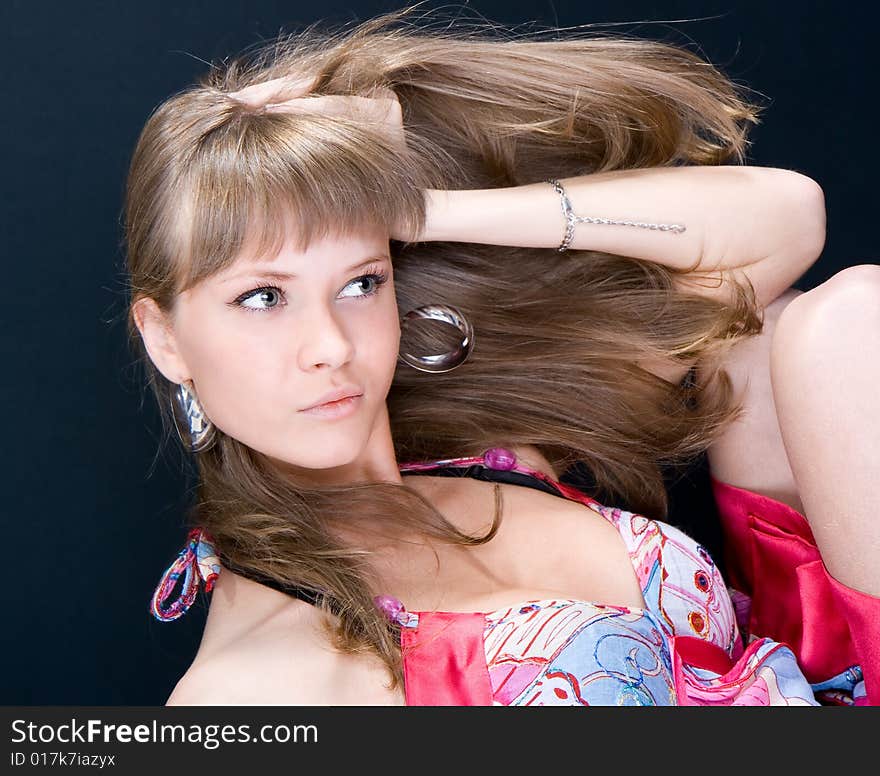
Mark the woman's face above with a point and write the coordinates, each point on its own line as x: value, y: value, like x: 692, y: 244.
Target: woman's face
x: 262, y: 349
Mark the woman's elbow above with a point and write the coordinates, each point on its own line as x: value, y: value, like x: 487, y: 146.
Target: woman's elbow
x: 805, y: 204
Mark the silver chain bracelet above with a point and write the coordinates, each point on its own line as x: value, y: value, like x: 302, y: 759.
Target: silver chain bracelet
x: 571, y: 219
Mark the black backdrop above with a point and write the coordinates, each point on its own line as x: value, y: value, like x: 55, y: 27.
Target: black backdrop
x: 91, y: 516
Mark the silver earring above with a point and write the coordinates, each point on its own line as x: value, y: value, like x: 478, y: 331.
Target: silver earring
x: 202, y: 431
x: 442, y: 362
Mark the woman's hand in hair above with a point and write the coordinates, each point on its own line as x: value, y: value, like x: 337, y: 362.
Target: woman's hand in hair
x: 271, y: 95
x: 291, y: 95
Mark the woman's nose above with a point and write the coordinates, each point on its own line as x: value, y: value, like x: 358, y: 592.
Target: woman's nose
x: 324, y: 341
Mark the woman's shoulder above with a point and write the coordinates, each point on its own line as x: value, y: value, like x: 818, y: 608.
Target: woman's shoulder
x: 247, y: 660
x: 262, y: 648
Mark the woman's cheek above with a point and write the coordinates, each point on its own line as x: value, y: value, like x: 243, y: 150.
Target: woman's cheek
x: 384, y: 336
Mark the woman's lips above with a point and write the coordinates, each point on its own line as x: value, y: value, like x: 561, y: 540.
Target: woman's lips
x: 336, y: 409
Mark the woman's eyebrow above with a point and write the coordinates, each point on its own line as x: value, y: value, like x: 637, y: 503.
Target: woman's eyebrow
x: 282, y: 276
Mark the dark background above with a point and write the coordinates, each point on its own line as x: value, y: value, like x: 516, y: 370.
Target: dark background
x: 92, y: 514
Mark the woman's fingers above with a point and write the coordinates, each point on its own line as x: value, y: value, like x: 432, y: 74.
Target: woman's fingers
x: 383, y: 111
x: 276, y: 90
x: 330, y: 104
x: 291, y: 95
x: 282, y: 94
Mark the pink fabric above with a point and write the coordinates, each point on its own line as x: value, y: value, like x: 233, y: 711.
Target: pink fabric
x: 771, y: 554
x: 862, y: 611
x: 689, y: 650
x: 744, y: 683
x: 445, y: 661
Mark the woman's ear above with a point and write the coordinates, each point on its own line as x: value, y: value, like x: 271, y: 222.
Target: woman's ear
x: 159, y: 340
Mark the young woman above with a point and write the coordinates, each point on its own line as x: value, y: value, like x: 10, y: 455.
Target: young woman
x: 306, y: 229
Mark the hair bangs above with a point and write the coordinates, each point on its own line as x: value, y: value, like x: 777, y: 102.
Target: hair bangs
x: 261, y: 179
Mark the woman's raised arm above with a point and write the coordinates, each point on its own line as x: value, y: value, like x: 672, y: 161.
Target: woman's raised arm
x: 766, y: 223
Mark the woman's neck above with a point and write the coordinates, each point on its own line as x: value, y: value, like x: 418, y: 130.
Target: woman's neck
x: 530, y: 457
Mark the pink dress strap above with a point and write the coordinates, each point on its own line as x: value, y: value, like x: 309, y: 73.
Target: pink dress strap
x: 445, y: 660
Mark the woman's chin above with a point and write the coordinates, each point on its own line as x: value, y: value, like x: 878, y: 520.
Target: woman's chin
x: 323, y: 458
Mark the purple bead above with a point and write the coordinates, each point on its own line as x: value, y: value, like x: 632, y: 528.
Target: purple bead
x: 499, y: 458
x: 390, y: 605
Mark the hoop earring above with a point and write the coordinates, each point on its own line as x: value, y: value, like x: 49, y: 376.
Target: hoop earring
x: 202, y: 432
x: 442, y: 362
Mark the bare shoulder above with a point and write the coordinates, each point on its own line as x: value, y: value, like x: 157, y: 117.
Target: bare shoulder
x: 204, y: 685
x: 237, y: 682
x: 278, y: 664
x: 288, y: 661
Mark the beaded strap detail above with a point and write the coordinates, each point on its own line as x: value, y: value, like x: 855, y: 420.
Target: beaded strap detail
x: 395, y: 611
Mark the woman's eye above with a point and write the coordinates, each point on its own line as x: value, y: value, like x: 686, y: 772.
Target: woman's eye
x: 260, y: 299
x: 269, y: 297
x: 365, y: 285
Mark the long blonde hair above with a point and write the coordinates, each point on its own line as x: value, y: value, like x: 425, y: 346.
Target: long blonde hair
x: 559, y: 335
